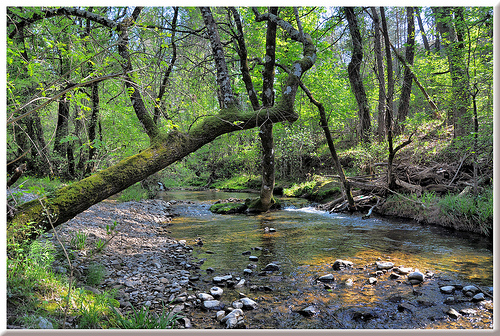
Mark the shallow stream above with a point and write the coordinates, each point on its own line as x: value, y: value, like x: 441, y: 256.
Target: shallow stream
x: 306, y: 244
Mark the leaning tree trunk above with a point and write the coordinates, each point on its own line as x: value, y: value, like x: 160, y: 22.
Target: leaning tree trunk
x: 355, y: 76
x: 422, y: 30
x: 42, y: 215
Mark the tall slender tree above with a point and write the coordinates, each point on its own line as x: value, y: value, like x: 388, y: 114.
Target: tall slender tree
x: 353, y: 69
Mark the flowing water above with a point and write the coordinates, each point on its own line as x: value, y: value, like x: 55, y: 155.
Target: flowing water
x: 305, y: 245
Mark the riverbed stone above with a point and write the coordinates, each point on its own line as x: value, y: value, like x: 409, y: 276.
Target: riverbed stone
x: 447, y: 289
x: 216, y: 292
x: 453, y: 313
x: 220, y: 315
x: 372, y: 280
x: 478, y: 297
x: 233, y: 319
x: 211, y: 304
x: 416, y: 277
x: 248, y: 303
x: 472, y: 289
x: 308, y: 311
x: 467, y: 311
x: 253, y: 258
x: 340, y: 264
x: 205, y: 296
x: 247, y: 271
x: 240, y: 284
x: 384, y: 265
x: 237, y: 304
x: 271, y: 267
x: 326, y: 278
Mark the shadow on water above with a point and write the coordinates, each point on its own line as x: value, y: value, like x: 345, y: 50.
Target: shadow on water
x: 305, y: 245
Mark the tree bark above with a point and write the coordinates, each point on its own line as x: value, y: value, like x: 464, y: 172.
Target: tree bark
x: 422, y: 29
x: 266, y: 130
x: 355, y: 76
x: 133, y: 89
x: 380, y: 76
x: 159, y: 105
x: 165, y: 149
x: 389, y: 108
x: 404, y: 100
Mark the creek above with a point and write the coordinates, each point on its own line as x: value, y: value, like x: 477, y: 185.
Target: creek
x: 306, y: 244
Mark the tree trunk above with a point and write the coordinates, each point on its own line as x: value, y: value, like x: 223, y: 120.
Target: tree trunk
x: 355, y: 76
x: 422, y: 29
x: 390, y: 92
x: 404, y: 100
x: 62, y: 128
x: 380, y: 76
x: 165, y: 149
x: 159, y: 106
x: 266, y: 130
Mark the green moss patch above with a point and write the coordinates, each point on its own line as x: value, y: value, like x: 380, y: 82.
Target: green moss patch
x: 228, y: 208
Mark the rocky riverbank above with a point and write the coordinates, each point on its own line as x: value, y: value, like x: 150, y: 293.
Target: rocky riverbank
x: 146, y: 267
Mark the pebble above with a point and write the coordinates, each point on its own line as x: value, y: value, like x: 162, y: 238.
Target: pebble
x: 447, y: 289
x: 211, y: 304
x: 416, y: 277
x: 326, y: 278
x: 248, y: 303
x: 472, y: 289
x: 247, y: 271
x: 384, y: 265
x: 453, y: 313
x: 205, y: 297
x: 240, y: 284
x: 253, y: 258
x: 340, y: 264
x: 216, y: 292
x: 220, y: 315
x: 372, y: 280
x: 308, y: 311
x: 478, y: 297
x: 271, y: 267
x: 237, y: 304
x: 233, y: 319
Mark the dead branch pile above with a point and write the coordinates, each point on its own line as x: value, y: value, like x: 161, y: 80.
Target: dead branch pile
x: 440, y: 178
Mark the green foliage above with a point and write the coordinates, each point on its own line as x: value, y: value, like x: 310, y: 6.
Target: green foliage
x: 96, y: 273
x: 78, y: 240
x: 239, y: 182
x: 228, y: 208
x: 145, y: 319
x: 133, y: 193
x: 471, y: 211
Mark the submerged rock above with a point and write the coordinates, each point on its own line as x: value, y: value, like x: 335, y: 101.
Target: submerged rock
x: 447, y: 289
x: 326, y: 278
x: 384, y: 265
x: 340, y: 264
x: 308, y: 311
x: 271, y: 267
x: 416, y: 277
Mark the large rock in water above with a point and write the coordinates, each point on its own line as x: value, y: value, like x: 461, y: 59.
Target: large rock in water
x: 228, y: 208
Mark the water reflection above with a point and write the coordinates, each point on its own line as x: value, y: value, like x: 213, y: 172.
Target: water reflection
x: 308, y: 241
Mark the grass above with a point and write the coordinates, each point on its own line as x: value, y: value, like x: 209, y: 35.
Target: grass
x: 79, y: 240
x: 145, y: 319
x: 133, y: 193
x: 96, y: 273
x: 468, y: 213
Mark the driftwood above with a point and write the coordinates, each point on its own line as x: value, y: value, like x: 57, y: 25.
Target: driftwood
x: 438, y: 178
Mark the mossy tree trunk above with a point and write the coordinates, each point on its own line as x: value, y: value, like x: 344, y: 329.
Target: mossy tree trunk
x: 266, y: 130
x: 32, y: 218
